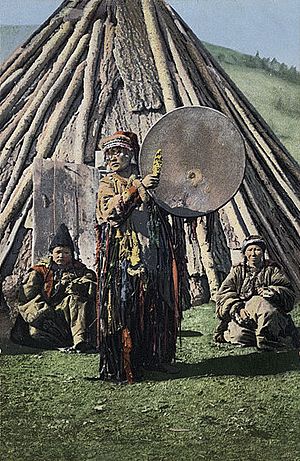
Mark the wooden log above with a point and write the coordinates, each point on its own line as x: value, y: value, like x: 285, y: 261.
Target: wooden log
x: 49, y: 50
x: 40, y: 113
x: 274, y: 243
x: 159, y: 54
x: 219, y: 250
x: 207, y: 258
x: 186, y: 69
x: 11, y: 136
x: 183, y: 84
x: 142, y: 88
x: 85, y: 21
x: 7, y: 85
x: 6, y: 245
x: 240, y: 205
x: 17, y: 200
x: 57, y: 118
x: 267, y: 164
x: 233, y: 227
x: 107, y: 81
x: 199, y: 288
x: 88, y: 93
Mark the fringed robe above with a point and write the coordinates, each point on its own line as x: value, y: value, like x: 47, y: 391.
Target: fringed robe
x: 140, y: 292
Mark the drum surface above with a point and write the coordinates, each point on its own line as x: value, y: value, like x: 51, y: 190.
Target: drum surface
x: 203, y: 160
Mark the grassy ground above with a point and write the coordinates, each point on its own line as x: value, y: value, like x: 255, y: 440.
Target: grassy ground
x: 225, y: 403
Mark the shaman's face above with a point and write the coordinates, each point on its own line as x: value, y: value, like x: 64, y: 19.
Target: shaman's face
x: 118, y: 158
x: 62, y: 256
x: 254, y: 255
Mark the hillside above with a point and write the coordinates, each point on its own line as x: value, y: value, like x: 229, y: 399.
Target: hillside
x: 272, y: 88
x: 275, y: 95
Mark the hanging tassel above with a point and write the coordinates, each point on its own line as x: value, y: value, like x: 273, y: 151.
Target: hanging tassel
x: 127, y: 347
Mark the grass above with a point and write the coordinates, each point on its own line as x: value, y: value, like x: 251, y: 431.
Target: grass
x: 275, y: 98
x: 277, y: 101
x: 225, y: 403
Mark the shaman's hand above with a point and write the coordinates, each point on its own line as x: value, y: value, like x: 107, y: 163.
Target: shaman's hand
x: 150, y: 181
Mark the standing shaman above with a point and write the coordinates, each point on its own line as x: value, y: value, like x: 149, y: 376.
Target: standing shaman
x: 139, y: 309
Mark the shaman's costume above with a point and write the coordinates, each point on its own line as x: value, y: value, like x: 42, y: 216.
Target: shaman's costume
x: 140, y: 293
x: 267, y: 324
x: 57, y: 302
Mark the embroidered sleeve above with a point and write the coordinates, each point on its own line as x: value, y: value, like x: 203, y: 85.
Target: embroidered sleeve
x: 116, y: 207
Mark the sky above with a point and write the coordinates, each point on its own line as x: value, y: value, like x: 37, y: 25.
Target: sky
x: 271, y: 27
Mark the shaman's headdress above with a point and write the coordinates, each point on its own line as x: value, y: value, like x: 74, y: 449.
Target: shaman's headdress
x: 125, y: 139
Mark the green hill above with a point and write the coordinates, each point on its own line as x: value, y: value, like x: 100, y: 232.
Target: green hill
x: 271, y: 87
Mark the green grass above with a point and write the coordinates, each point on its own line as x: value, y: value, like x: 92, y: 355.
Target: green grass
x: 225, y: 403
x: 275, y: 98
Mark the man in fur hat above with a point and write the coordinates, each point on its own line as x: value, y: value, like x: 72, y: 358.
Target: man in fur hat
x: 56, y: 300
x: 254, y: 300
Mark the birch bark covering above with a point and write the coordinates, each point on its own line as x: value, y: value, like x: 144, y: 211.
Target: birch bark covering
x: 96, y: 66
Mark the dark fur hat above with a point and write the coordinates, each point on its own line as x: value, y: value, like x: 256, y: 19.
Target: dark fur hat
x: 253, y: 240
x: 62, y: 238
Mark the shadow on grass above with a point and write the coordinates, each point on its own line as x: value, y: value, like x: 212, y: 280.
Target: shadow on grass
x: 253, y: 364
x: 9, y: 348
x: 190, y: 333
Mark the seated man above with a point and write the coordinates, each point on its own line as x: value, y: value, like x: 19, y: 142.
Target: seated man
x: 253, y: 301
x: 56, y: 301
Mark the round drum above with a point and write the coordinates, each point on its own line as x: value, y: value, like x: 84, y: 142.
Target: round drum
x: 203, y: 160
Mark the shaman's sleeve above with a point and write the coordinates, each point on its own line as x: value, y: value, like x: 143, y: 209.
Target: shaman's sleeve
x: 228, y: 299
x: 282, y: 289
x: 115, y: 208
x: 32, y: 304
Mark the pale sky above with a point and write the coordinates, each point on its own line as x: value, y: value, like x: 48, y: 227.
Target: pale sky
x: 271, y: 27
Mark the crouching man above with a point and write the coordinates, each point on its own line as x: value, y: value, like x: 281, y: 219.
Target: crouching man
x: 254, y: 300
x: 57, y: 301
